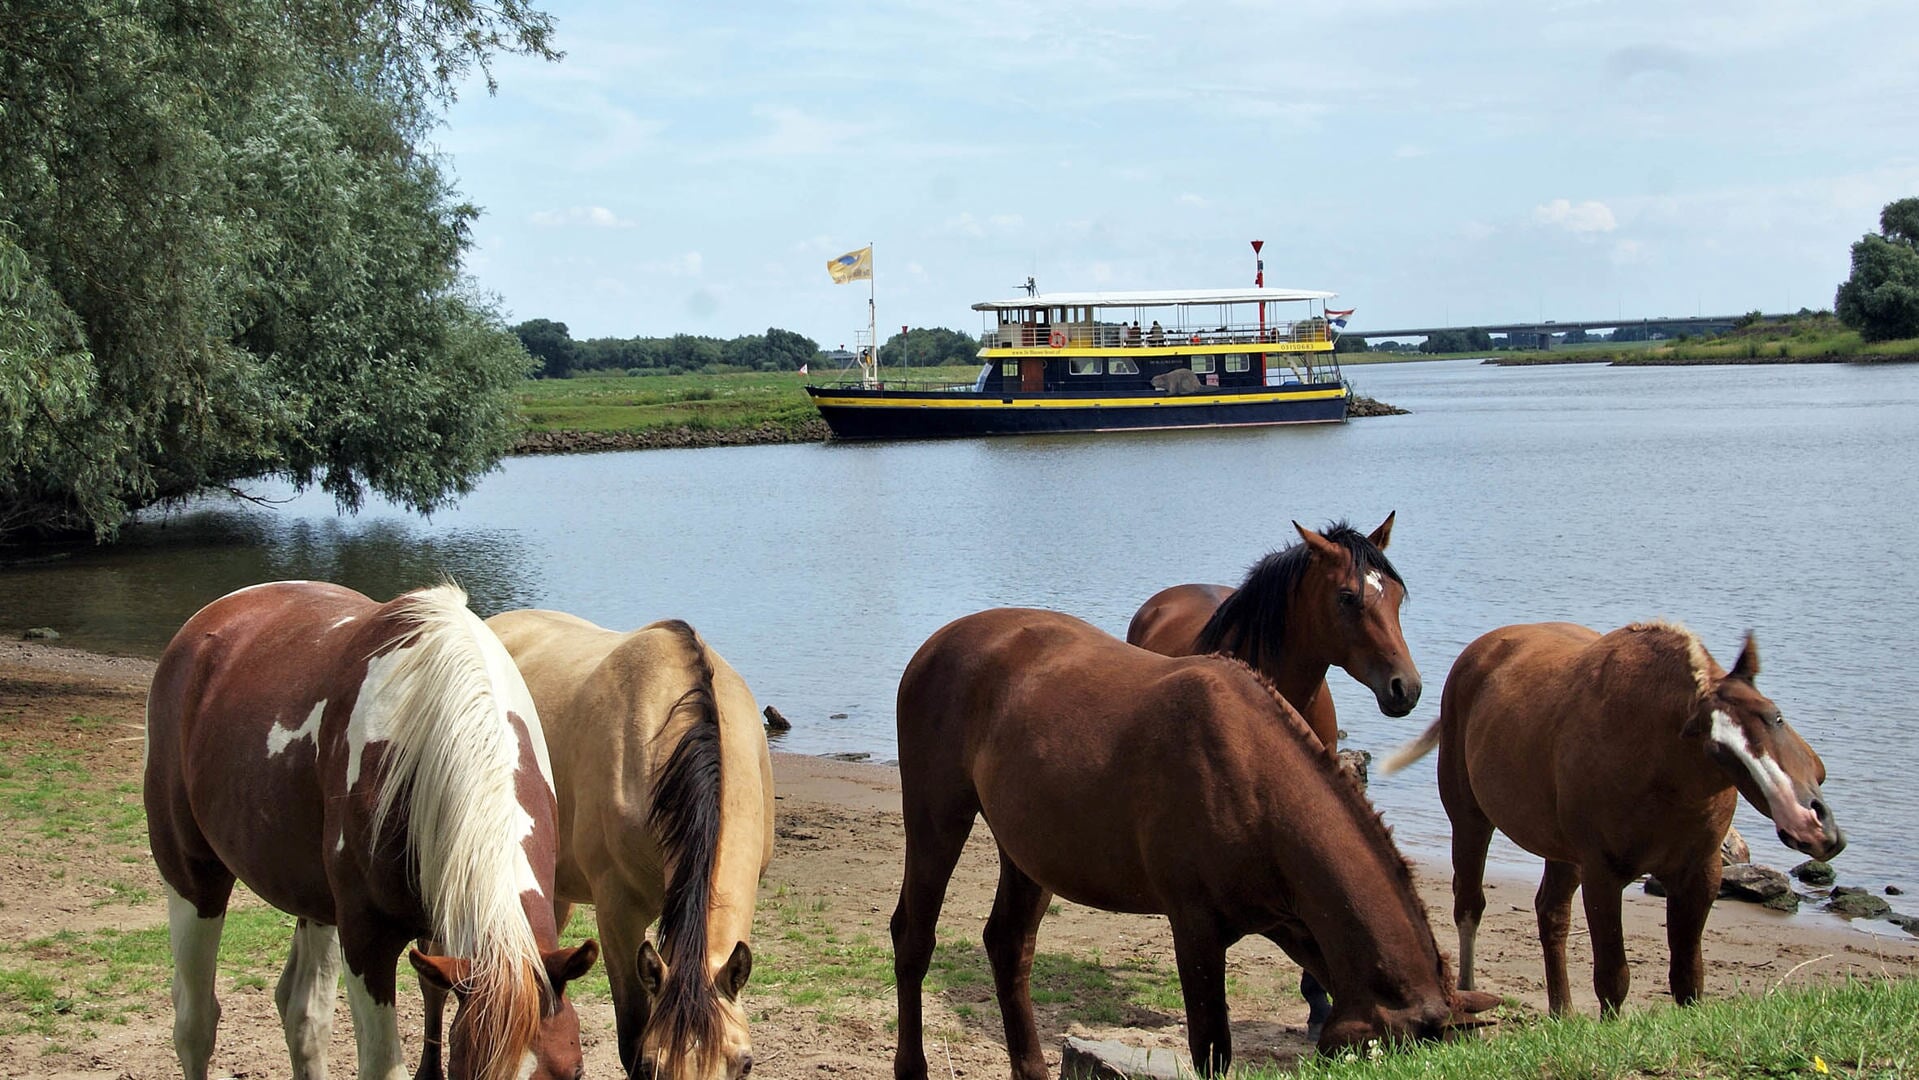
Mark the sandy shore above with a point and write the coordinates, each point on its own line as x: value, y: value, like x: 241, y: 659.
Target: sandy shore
x: 829, y: 893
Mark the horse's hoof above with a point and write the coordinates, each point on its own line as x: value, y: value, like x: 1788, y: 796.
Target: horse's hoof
x: 1313, y: 1032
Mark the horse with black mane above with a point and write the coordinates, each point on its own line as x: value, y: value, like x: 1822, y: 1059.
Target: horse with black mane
x: 666, y: 812
x: 1330, y: 600
x: 1234, y: 820
x: 378, y: 771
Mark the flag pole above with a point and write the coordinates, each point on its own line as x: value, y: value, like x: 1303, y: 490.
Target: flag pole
x: 872, y: 323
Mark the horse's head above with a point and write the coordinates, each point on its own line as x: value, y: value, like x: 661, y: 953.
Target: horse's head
x: 696, y: 1029
x: 490, y: 1039
x: 1352, y: 595
x: 1773, y: 767
x: 1439, y: 1016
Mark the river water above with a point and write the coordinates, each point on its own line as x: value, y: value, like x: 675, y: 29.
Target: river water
x: 1780, y: 499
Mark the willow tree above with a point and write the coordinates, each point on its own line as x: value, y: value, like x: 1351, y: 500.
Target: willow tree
x: 224, y: 253
x: 1881, y: 297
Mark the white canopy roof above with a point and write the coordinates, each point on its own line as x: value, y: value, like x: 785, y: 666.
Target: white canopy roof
x: 1153, y: 298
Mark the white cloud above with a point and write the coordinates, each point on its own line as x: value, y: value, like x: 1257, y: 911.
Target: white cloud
x: 1585, y: 217
x: 596, y: 217
x: 1408, y: 151
x: 1190, y: 199
x: 689, y: 264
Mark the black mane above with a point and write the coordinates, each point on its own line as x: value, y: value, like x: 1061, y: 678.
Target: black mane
x: 686, y: 817
x: 1252, y: 622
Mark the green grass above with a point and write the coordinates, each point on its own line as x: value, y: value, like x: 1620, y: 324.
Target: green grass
x: 71, y: 981
x: 1865, y: 1029
x: 618, y: 403
x: 52, y: 788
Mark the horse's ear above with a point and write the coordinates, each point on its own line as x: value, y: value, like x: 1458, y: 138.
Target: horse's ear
x: 1747, y: 666
x: 565, y: 965
x: 1467, y: 1005
x: 1384, y: 534
x: 652, y: 969
x: 738, y: 968
x: 445, y: 972
x: 1318, y: 543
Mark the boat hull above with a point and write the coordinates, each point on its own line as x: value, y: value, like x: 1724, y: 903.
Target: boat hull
x: 936, y: 414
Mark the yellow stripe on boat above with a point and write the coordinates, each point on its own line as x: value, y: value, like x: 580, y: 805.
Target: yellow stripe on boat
x: 994, y: 401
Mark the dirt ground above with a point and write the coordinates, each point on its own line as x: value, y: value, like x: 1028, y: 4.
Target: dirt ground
x: 823, y: 911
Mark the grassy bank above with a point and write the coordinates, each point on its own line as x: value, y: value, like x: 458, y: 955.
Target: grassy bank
x: 1867, y: 1029
x: 1801, y: 339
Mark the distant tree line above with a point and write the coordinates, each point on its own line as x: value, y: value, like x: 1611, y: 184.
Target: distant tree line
x: 561, y: 356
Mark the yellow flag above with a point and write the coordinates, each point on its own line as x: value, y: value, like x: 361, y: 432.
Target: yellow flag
x: 852, y: 266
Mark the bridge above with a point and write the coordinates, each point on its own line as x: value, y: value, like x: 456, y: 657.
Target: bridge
x: 1541, y: 332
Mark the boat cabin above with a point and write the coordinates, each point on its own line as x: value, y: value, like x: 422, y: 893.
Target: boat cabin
x: 1111, y: 342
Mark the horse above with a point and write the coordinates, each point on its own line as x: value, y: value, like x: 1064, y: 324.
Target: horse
x: 1133, y: 782
x: 377, y: 771
x: 666, y: 812
x: 1330, y: 600
x: 1333, y: 598
x: 1610, y: 757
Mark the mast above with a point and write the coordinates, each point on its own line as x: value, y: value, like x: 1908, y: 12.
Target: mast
x: 870, y: 363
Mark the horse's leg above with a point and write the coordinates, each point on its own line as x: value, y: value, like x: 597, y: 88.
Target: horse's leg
x: 1611, y: 975
x: 1553, y: 903
x: 196, y: 1011
x: 308, y: 987
x: 1689, y: 897
x: 371, y: 951
x: 1011, y: 929
x: 1300, y: 946
x: 935, y: 836
x: 1472, y: 834
x: 623, y: 916
x: 1201, y: 957
x: 433, y: 1001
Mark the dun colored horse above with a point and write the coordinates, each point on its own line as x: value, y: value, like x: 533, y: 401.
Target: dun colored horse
x: 666, y: 812
x: 1611, y: 757
x: 1133, y: 782
x: 377, y: 770
x: 1331, y: 600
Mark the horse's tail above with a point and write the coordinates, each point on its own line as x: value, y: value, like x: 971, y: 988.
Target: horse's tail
x: 1414, y: 750
x: 687, y: 800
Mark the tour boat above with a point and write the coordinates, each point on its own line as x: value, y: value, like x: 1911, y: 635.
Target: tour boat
x: 1116, y: 361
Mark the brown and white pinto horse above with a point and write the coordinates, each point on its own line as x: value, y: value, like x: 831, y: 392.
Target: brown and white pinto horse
x: 1612, y: 757
x: 666, y: 812
x: 377, y: 770
x: 1331, y: 600
x: 1133, y: 782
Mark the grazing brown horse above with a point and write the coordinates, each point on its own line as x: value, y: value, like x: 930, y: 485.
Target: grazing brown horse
x: 1331, y: 600
x: 666, y: 812
x: 1133, y: 782
x: 377, y: 770
x: 1612, y: 757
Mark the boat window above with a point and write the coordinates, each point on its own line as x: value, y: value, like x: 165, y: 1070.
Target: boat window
x: 1121, y: 367
x: 1238, y: 362
x: 1010, y: 367
x: 1085, y: 365
x: 1202, y: 365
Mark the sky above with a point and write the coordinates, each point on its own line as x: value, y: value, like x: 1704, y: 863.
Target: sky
x: 690, y: 168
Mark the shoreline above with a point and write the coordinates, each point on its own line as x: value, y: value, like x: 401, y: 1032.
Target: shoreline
x: 81, y: 885
x: 1547, y: 359
x: 849, y: 779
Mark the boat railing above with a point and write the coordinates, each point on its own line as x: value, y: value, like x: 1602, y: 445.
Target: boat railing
x: 1118, y: 336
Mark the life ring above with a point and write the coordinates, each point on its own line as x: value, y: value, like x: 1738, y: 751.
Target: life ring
x: 1058, y: 340
x: 1195, y: 339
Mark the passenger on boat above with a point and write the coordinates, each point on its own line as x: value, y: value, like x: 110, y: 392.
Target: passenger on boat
x: 1132, y: 334
x: 1156, y: 336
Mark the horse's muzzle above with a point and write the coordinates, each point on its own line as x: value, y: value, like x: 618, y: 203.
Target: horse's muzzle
x: 1812, y: 829
x: 1398, y: 696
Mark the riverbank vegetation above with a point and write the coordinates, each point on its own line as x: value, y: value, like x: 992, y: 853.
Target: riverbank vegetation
x: 228, y: 250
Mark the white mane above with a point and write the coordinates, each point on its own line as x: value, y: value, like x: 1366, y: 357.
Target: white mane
x: 445, y: 693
